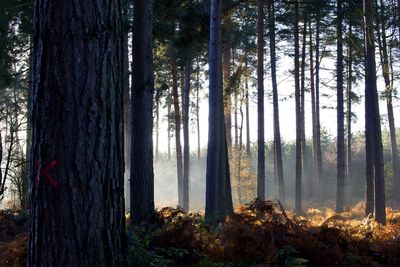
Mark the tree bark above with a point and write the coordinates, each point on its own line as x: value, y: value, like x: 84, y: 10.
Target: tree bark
x: 77, y: 171
x: 179, y: 163
x: 372, y: 115
x: 218, y: 185
x: 142, y: 174
x: 186, y: 151
x: 298, y: 190
x: 260, y: 104
x: 340, y: 187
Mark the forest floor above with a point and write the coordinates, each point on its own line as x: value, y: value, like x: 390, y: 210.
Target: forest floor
x: 258, y: 234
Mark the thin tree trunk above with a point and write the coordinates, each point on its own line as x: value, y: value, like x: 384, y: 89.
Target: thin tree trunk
x: 198, y: 110
x: 298, y: 191
x: 218, y: 185
x: 313, y: 115
x: 240, y: 147
x: 349, y: 175
x: 303, y: 110
x: 277, y: 132
x: 389, y: 100
x: 179, y: 163
x: 127, y: 123
x: 372, y: 115
x: 169, y: 115
x: 340, y: 187
x: 226, y: 79
x: 248, y: 148
x: 260, y: 105
x: 157, y: 127
x: 186, y: 150
x: 77, y: 185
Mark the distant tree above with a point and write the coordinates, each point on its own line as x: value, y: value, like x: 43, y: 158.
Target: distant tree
x: 142, y: 175
x: 260, y: 101
x: 218, y: 185
x: 76, y: 173
x: 373, y: 133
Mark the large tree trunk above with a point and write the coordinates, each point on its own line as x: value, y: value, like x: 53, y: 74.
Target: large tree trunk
x: 389, y: 99
x: 218, y: 185
x: 340, y: 187
x: 260, y: 104
x: 77, y: 170
x: 179, y: 163
x: 142, y: 174
x: 186, y: 151
x: 372, y: 120
x: 298, y: 198
x: 277, y: 132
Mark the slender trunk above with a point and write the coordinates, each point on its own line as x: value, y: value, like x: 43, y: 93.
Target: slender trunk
x: 372, y: 115
x: 77, y: 186
x: 318, y: 153
x: 389, y: 100
x: 340, y: 187
x: 260, y: 105
x: 179, y: 163
x: 218, y: 185
x: 240, y: 147
x: 303, y: 110
x: 198, y: 110
x: 349, y: 175
x: 277, y: 132
x: 236, y: 118
x: 313, y: 116
x: 169, y: 116
x: 226, y: 79
x: 157, y: 128
x: 186, y: 150
x: 248, y: 148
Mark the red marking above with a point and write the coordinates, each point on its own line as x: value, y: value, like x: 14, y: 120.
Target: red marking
x: 44, y: 172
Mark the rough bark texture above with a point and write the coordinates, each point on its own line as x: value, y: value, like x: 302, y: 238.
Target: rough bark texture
x: 340, y: 186
x: 186, y: 151
x: 298, y: 198
x: 142, y: 175
x: 260, y: 103
x: 372, y: 115
x: 76, y: 172
x: 277, y: 132
x: 218, y: 185
x: 178, y: 145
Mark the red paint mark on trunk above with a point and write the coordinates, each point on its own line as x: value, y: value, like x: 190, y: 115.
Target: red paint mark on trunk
x: 44, y: 172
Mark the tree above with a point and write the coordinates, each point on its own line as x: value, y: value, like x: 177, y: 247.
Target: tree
x: 372, y: 118
x: 260, y: 103
x: 76, y: 172
x: 340, y: 188
x: 142, y: 175
x: 277, y: 132
x: 218, y: 185
x: 186, y: 150
x: 298, y: 197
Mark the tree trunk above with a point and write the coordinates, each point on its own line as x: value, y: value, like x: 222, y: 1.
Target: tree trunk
x: 372, y: 115
x: 260, y: 104
x: 77, y: 170
x: 313, y: 115
x: 142, y: 174
x: 157, y: 127
x: 169, y: 124
x: 303, y: 111
x: 318, y: 153
x: 340, y: 187
x: 127, y: 124
x: 277, y: 132
x: 298, y: 198
x: 349, y: 174
x: 389, y: 101
x: 198, y: 110
x: 218, y: 185
x: 248, y: 148
x: 186, y: 151
x: 226, y: 78
x: 179, y: 163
